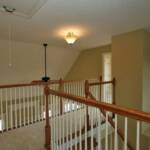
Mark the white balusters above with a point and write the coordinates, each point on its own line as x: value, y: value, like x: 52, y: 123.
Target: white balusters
x: 63, y: 124
x: 15, y: 97
x: 138, y: 136
x: 75, y: 88
x: 67, y: 124
x: 6, y: 105
x: 1, y: 112
x: 71, y: 144
x: 11, y: 108
x: 85, y: 123
x: 91, y: 118
x: 54, y: 121
x: 28, y: 103
x: 106, y: 132
x: 125, y: 133
x: 75, y: 123
x: 31, y: 104
x: 59, y: 122
x: 97, y: 92
x: 42, y: 103
x: 99, y: 129
x: 20, y: 106
x: 24, y: 106
x: 80, y: 87
x: 116, y: 133
x: 38, y: 103
x: 80, y: 128
x: 35, y: 104
x: 55, y: 132
x: 70, y: 88
x: 19, y: 97
x: 51, y: 123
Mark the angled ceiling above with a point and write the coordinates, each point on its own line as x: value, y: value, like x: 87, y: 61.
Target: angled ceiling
x: 94, y: 21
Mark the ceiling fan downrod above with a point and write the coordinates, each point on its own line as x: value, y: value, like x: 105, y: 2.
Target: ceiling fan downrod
x: 45, y: 78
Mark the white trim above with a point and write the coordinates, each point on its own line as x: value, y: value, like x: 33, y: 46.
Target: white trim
x: 103, y: 57
x: 1, y: 125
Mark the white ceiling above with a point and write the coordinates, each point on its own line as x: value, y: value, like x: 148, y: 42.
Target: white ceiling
x: 94, y: 21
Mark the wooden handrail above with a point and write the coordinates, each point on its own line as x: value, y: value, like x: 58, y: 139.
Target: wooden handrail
x: 48, y: 82
x: 139, y: 115
x: 127, y: 112
x: 57, y: 81
x: 40, y: 82
x: 37, y: 82
x: 71, y: 81
x: 102, y: 82
x: 20, y: 85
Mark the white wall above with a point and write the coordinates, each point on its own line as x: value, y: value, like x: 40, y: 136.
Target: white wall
x: 27, y: 62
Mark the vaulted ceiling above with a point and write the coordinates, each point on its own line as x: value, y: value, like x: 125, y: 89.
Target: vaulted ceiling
x: 93, y: 21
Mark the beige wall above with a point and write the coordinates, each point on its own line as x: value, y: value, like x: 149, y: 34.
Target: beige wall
x: 127, y: 63
x: 89, y: 64
x: 146, y: 73
x: 27, y: 62
x: 128, y: 56
x: 146, y: 82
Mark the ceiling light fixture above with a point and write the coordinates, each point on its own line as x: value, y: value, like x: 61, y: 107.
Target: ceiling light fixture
x: 70, y: 38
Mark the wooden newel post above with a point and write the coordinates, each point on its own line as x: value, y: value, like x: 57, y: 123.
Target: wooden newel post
x: 86, y: 87
x: 114, y: 90
x: 47, y: 126
x: 100, y: 88
x: 61, y: 90
x: 113, y: 93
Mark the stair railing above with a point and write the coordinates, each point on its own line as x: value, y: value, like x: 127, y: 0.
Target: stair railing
x: 119, y: 130
x: 77, y: 117
x: 63, y: 125
x: 102, y: 99
x: 24, y: 104
x: 103, y: 91
x: 21, y: 105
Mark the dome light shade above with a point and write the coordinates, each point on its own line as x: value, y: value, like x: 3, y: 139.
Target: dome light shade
x: 70, y: 38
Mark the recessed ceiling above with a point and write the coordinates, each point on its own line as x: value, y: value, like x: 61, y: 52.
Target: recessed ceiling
x: 23, y: 8
x: 94, y: 21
